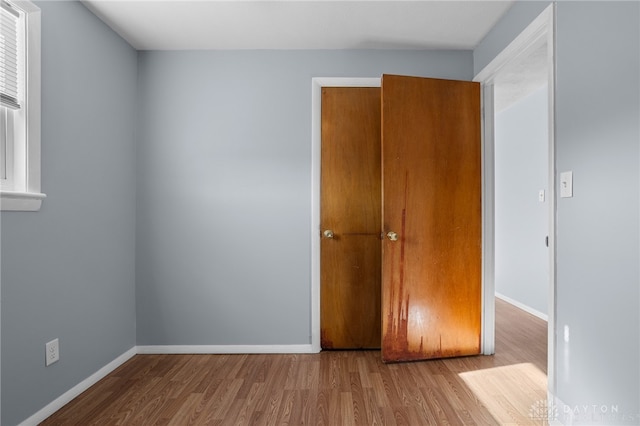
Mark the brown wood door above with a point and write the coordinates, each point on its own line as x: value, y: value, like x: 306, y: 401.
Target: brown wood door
x: 350, y: 208
x: 431, y: 167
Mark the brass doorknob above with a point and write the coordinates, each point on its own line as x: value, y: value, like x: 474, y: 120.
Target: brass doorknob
x: 328, y: 233
x: 392, y: 236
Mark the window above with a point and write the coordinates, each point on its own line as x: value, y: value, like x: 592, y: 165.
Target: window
x: 19, y: 106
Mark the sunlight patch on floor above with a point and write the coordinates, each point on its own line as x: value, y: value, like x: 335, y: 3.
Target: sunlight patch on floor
x: 513, y: 394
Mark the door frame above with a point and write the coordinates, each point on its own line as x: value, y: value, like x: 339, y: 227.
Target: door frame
x: 488, y: 285
x: 541, y: 28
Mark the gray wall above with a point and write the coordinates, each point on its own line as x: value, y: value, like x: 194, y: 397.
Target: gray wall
x: 68, y: 271
x: 598, y: 132
x: 223, y: 211
x: 224, y: 188
x: 598, y: 241
x: 521, y: 221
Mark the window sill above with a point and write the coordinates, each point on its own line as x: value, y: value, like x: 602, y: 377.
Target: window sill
x: 20, y: 201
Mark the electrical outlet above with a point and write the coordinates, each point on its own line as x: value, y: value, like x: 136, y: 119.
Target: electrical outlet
x: 52, y: 352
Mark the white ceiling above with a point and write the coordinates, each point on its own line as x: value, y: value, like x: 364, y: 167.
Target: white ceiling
x: 211, y: 24
x: 325, y: 24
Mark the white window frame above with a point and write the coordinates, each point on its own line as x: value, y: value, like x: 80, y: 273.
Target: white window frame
x: 20, y: 191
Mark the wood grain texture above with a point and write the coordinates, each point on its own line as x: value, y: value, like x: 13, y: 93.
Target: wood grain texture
x: 431, y: 167
x: 350, y: 206
x: 329, y: 388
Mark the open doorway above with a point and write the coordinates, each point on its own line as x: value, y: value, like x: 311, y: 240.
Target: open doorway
x: 519, y: 150
x: 521, y: 146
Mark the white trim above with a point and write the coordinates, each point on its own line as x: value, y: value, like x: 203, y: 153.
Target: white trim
x: 541, y: 28
x: 72, y: 393
x: 225, y: 349
x: 551, y: 90
x: 317, y: 84
x: 21, y: 201
x: 522, y: 306
x: 564, y: 413
x: 488, y: 320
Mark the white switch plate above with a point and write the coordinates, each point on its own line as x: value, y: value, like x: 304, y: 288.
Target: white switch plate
x: 541, y: 195
x: 566, y: 184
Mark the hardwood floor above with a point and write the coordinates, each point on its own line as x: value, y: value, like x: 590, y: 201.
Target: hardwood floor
x: 329, y: 388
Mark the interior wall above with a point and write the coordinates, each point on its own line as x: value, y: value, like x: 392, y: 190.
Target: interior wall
x: 597, y: 120
x: 224, y: 188
x: 68, y: 270
x: 598, y: 241
x: 521, y: 220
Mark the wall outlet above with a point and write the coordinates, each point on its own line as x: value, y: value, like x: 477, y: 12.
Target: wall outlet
x: 52, y: 353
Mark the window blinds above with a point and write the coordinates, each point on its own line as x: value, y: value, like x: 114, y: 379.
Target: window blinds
x: 9, y: 56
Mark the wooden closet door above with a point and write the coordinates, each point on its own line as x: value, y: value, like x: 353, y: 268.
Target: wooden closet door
x: 350, y: 218
x: 431, y: 263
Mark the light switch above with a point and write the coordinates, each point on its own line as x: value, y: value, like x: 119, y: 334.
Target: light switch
x: 541, y: 195
x: 566, y: 184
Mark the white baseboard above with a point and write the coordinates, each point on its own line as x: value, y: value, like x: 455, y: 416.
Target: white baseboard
x: 65, y: 398
x: 226, y: 349
x: 523, y: 307
x: 560, y: 418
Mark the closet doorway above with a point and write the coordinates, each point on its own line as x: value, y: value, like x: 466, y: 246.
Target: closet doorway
x: 408, y: 192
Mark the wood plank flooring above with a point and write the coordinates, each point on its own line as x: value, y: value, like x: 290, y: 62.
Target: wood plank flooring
x: 329, y: 388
